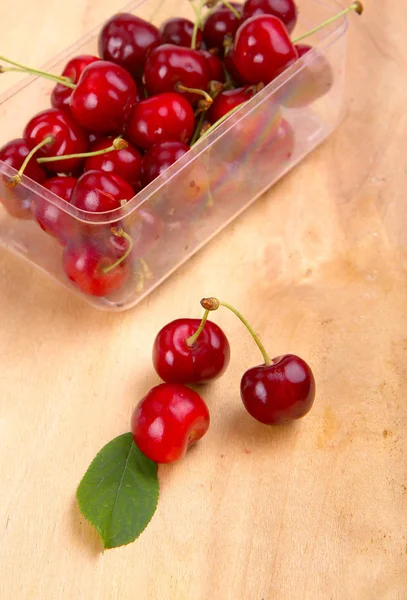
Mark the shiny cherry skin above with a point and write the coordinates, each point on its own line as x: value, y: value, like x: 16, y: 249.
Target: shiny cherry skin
x: 159, y: 158
x: 61, y: 94
x: 220, y: 23
x: 169, y: 64
x: 177, y: 362
x: 98, y: 191
x: 178, y: 31
x: 168, y: 420
x: 162, y: 118
x: 15, y: 152
x: 69, y: 138
x: 84, y: 263
x: 228, y: 100
x: 125, y: 163
x: 285, y: 10
x: 232, y: 69
x: 127, y: 40
x: 312, y: 82
x: 279, y: 393
x: 103, y: 98
x: 50, y: 217
x: 215, y: 65
x: 263, y: 49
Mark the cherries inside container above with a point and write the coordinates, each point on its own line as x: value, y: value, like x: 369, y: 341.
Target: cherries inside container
x: 177, y: 151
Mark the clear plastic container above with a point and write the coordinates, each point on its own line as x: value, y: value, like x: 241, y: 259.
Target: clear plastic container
x: 173, y: 217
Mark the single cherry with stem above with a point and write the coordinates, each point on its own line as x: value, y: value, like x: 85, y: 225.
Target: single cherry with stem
x: 98, y: 191
x: 278, y: 391
x: 64, y: 137
x: 162, y: 118
x: 168, y: 420
x: 191, y: 351
x: 223, y: 21
x: 125, y: 162
x: 20, y: 156
x: 127, y: 40
x: 171, y: 68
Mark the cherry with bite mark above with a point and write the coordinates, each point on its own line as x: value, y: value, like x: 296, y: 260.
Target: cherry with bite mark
x: 168, y: 420
x: 278, y: 391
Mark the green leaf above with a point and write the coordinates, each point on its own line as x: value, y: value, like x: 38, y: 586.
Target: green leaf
x: 119, y: 492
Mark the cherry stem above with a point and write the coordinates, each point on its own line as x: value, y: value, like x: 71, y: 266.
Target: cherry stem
x: 198, y: 128
x: 214, y: 303
x: 190, y: 341
x: 120, y: 233
x: 118, y: 144
x: 218, y: 122
x: 180, y: 87
x: 16, y: 179
x: 356, y: 6
x: 231, y: 8
x: 198, y: 12
x: 57, y: 79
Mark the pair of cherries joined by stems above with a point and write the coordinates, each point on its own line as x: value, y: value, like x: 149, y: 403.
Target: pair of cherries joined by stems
x: 172, y: 416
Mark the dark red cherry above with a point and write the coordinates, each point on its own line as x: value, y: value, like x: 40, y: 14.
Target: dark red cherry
x: 228, y: 100
x: 285, y: 10
x: 51, y: 218
x: 67, y: 135
x: 61, y: 94
x: 232, y: 68
x: 313, y: 81
x: 159, y: 158
x: 215, y: 65
x: 278, y: 393
x: 94, y: 137
x: 178, y: 31
x: 15, y: 152
x: 127, y: 40
x: 263, y: 49
x: 125, y: 163
x: 220, y: 23
x: 87, y: 266
x: 103, y: 98
x: 178, y: 362
x: 165, y: 117
x: 168, y: 65
x: 98, y: 191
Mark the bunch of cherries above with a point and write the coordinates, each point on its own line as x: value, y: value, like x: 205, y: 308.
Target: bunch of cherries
x: 120, y: 119
x: 172, y: 416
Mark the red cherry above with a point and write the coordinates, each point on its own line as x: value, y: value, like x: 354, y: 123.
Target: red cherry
x: 168, y: 420
x: 178, y: 31
x: 232, y: 68
x: 97, y: 191
x: 103, y: 98
x: 278, y: 393
x: 127, y: 40
x: 220, y: 23
x: 85, y: 265
x: 125, y: 163
x: 313, y: 81
x: 169, y: 65
x: 68, y: 138
x: 50, y: 217
x: 285, y: 10
x: 61, y: 94
x: 159, y: 158
x: 178, y: 362
x: 15, y: 152
x: 162, y: 118
x: 263, y: 49
x: 215, y: 65
x: 228, y: 100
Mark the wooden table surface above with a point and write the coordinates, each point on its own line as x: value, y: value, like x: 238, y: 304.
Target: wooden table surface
x: 316, y: 511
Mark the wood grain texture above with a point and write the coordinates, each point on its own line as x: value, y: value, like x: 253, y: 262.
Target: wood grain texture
x: 316, y: 511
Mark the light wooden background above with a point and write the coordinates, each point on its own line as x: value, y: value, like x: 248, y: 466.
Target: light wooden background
x: 317, y: 511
